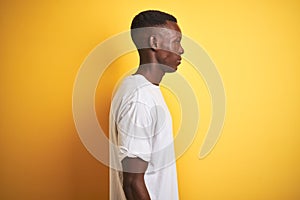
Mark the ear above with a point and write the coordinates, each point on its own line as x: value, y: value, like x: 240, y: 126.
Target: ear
x: 153, y: 42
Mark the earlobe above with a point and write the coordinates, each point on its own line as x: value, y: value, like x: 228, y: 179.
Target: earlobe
x: 153, y: 42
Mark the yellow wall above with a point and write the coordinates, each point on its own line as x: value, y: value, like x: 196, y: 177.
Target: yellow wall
x: 255, y: 45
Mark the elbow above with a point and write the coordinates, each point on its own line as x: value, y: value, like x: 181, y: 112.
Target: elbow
x: 129, y: 183
x: 134, y: 188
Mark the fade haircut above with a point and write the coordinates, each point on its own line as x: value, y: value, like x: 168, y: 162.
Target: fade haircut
x: 142, y: 23
x: 150, y: 18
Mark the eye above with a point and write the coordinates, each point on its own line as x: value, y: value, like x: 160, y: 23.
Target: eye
x: 178, y: 40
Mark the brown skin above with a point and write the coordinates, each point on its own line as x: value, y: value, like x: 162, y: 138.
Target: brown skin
x: 133, y: 181
x: 162, y: 57
x: 164, y: 54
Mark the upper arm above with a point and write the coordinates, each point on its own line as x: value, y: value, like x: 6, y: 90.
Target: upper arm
x: 134, y: 165
x: 133, y: 178
x: 135, y: 132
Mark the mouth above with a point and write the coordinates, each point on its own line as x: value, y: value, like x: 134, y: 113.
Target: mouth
x: 179, y: 60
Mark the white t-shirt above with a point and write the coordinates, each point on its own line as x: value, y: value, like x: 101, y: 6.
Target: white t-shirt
x: 141, y: 126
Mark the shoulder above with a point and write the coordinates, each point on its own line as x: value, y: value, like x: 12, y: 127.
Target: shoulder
x: 135, y: 89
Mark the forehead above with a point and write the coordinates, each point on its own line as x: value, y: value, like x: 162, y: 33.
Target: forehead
x: 173, y: 27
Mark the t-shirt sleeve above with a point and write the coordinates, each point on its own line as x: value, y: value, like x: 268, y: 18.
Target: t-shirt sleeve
x: 135, y: 132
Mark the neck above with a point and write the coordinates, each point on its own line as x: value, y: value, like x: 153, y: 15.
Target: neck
x: 149, y: 67
x: 152, y: 72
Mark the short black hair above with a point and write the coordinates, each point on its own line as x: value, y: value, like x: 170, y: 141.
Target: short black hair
x: 150, y: 18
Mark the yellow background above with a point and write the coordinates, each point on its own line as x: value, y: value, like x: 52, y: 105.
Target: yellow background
x: 255, y: 45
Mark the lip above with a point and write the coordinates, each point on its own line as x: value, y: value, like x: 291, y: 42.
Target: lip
x: 179, y: 60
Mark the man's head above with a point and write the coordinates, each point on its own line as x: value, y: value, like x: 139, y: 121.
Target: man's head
x: 151, y: 18
x: 157, y: 35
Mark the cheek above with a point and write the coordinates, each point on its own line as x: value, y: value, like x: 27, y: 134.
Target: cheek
x: 167, y: 46
x: 169, y: 59
x: 165, y: 56
x: 176, y: 47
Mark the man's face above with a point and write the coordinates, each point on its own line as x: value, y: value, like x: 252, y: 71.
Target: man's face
x: 170, y: 49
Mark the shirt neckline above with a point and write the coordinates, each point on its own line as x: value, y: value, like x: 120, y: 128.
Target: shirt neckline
x: 143, y: 77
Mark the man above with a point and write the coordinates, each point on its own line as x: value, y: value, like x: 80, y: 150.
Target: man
x: 142, y: 152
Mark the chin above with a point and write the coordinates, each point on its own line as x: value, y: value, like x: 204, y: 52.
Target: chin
x: 171, y: 69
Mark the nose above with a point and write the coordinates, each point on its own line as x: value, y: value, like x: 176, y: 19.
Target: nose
x: 181, y: 50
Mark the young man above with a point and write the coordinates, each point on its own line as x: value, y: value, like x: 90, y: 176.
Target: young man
x: 140, y: 123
